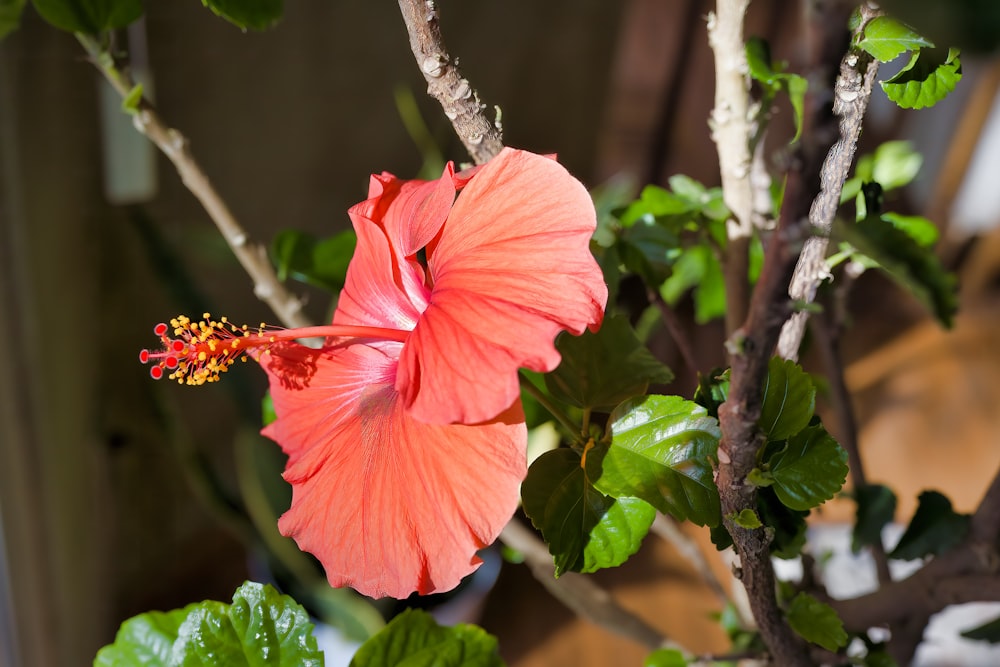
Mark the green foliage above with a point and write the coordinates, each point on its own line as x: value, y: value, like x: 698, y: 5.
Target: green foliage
x: 665, y: 657
x: 89, y: 16
x: 929, y: 76
x: 414, y: 639
x: 774, y: 79
x: 662, y: 450
x: 809, y: 470
x: 600, y: 370
x: 253, y: 14
x: 934, y: 529
x: 892, y: 165
x: 698, y: 269
x: 972, y: 25
x: 885, y: 39
x: 876, y: 508
x: 585, y: 529
x: 923, y: 232
x: 261, y: 627
x: 816, y: 622
x: 987, y: 632
x: 10, y: 16
x: 130, y: 103
x: 712, y: 391
x: 747, y: 518
x: 322, y: 263
x: 789, y: 399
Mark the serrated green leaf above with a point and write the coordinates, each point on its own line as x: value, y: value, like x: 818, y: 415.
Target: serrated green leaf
x: 886, y: 38
x: 146, y: 639
x: 879, y: 244
x: 322, y: 263
x: 665, y: 657
x: 207, y: 637
x: 987, y: 632
x: 662, y: 450
x: 414, y: 639
x: 697, y: 267
x: 253, y: 14
x: 89, y: 16
x: 816, y: 622
x: 789, y: 399
x: 747, y: 518
x: 272, y: 629
x: 600, y: 370
x: 809, y: 470
x: 585, y: 529
x: 921, y: 230
x: 876, y: 508
x: 934, y: 529
x: 654, y: 202
x: 926, y: 80
x: 10, y: 16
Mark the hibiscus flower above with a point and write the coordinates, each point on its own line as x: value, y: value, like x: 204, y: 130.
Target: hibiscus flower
x: 404, y: 433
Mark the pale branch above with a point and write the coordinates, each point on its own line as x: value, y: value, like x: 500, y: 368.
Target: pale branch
x: 753, y: 344
x: 580, y: 593
x: 460, y: 102
x: 731, y: 126
x: 252, y: 256
x: 851, y: 95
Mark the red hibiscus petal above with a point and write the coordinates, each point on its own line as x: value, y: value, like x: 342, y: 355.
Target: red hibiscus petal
x: 387, y: 504
x: 511, y: 269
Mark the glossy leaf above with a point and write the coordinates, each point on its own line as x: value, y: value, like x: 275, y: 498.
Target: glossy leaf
x: 816, y: 622
x: 253, y: 14
x: 809, y: 470
x: 876, y: 508
x: 925, y: 80
x: 789, y: 399
x: 585, y: 529
x: 987, y: 632
x: 934, y: 529
x: 261, y: 627
x: 662, y: 449
x: 10, y: 15
x: 886, y: 38
x: 600, y: 370
x: 414, y: 639
x: 89, y: 16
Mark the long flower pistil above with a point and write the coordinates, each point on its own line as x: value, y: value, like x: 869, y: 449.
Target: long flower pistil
x: 199, y: 351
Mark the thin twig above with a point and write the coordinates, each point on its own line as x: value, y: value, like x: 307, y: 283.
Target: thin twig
x: 481, y: 137
x: 731, y: 130
x: 580, y: 593
x: 675, y: 329
x: 667, y: 529
x: 851, y: 95
x: 252, y: 256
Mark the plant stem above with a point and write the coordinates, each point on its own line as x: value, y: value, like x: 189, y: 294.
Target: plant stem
x: 553, y: 409
x: 675, y: 329
x: 252, y: 256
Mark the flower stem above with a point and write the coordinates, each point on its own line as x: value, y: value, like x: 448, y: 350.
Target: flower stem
x: 553, y: 409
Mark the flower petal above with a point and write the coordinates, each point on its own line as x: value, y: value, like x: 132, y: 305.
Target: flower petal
x: 387, y: 504
x: 511, y: 269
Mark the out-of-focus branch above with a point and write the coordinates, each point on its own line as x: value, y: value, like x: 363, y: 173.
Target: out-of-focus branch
x: 481, y: 137
x: 731, y: 130
x: 675, y: 329
x: 580, y: 593
x: 667, y: 529
x: 252, y: 256
x: 851, y: 95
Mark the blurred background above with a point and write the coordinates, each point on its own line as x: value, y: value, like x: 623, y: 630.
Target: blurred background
x: 119, y: 495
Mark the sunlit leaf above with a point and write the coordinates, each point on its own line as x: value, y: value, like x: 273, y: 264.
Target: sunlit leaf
x: 662, y: 450
x: 921, y: 230
x: 665, y: 657
x: 934, y: 529
x: 886, y: 38
x: 414, y: 639
x: 816, y: 622
x: 585, y: 529
x: 809, y: 470
x: 925, y: 80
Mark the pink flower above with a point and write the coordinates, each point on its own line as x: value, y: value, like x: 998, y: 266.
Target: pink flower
x: 405, y: 435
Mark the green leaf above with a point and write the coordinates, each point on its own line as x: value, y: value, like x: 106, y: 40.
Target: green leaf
x: 747, y: 518
x: 895, y: 164
x: 10, y: 16
x: 697, y: 267
x: 712, y: 391
x: 816, y: 622
x: 926, y: 80
x: 788, y: 525
x: 662, y: 450
x: 414, y: 639
x: 320, y: 263
x: 789, y: 399
x: 876, y: 508
x: 600, y: 370
x: 923, y: 232
x: 585, y: 529
x: 886, y: 38
x: 253, y: 14
x: 987, y: 632
x: 934, y: 529
x: 261, y: 627
x: 654, y: 202
x: 665, y: 657
x: 809, y: 470
x: 89, y: 16
x: 130, y: 103
x: 774, y: 79
x: 880, y: 244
